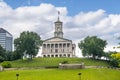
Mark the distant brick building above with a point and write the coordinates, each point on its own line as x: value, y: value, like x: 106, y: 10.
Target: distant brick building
x: 58, y: 46
x: 6, y: 39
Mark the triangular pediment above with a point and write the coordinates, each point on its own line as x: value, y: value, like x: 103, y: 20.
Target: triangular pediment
x: 56, y: 39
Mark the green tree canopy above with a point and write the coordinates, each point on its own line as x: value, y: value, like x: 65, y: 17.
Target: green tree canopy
x: 28, y: 43
x: 92, y: 46
x: 2, y: 54
x: 115, y: 60
x: 116, y: 56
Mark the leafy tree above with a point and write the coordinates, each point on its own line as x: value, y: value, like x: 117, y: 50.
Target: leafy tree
x: 28, y: 43
x: 116, y: 56
x: 92, y: 46
x: 8, y: 55
x: 115, y: 60
x: 16, y: 55
x: 2, y: 54
x: 114, y: 63
x: 18, y: 48
x: 107, y: 55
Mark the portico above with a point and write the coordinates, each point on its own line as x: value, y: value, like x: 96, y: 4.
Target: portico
x: 52, y: 49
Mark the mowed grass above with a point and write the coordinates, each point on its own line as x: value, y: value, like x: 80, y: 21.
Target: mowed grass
x: 43, y: 62
x: 58, y: 74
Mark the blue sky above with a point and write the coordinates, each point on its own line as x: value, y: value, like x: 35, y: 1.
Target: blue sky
x: 73, y: 6
x: 81, y: 18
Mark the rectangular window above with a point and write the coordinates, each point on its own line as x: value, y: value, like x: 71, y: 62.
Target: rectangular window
x: 56, y: 50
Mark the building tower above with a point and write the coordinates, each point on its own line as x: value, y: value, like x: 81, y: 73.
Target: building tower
x: 6, y: 39
x: 58, y: 28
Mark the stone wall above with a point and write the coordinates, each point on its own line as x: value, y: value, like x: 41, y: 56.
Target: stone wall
x: 71, y: 66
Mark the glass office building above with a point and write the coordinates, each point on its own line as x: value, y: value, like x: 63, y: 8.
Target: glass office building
x: 6, y: 39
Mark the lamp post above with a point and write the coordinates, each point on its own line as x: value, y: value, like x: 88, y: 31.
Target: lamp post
x: 17, y: 76
x: 80, y: 75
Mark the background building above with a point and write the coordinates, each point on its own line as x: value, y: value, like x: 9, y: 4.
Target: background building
x: 58, y: 46
x: 6, y: 39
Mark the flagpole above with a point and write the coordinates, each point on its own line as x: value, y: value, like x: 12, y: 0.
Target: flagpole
x: 58, y: 15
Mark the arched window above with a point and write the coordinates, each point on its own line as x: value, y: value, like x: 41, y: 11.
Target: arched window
x: 48, y: 56
x: 44, y: 55
x: 56, y: 55
x: 60, y: 55
x: 64, y: 55
x: 52, y: 55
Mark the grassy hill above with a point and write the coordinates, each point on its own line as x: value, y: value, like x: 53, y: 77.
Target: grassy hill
x: 43, y: 62
x: 58, y: 74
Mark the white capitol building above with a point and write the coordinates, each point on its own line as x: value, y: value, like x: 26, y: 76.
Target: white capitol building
x: 58, y: 46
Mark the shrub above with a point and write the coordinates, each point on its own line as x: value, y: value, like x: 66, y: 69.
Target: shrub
x: 6, y: 64
x: 114, y: 63
x: 64, y: 62
x: 48, y: 67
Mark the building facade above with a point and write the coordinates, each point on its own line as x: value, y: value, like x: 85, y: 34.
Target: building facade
x: 58, y: 46
x: 6, y: 39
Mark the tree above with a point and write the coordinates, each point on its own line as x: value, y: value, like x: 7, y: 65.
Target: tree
x: 92, y: 46
x: 8, y: 56
x: 2, y: 54
x: 14, y: 56
x: 116, y: 56
x: 28, y: 43
x: 115, y: 60
x: 107, y: 55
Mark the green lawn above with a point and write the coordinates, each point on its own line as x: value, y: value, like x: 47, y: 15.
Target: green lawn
x: 57, y: 74
x: 42, y: 62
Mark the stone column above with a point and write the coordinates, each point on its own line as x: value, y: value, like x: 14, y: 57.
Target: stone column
x: 54, y: 48
x: 65, y: 47
x: 50, y: 46
x: 46, y: 48
x: 58, y: 48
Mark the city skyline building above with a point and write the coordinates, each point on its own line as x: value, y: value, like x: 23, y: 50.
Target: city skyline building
x: 6, y: 40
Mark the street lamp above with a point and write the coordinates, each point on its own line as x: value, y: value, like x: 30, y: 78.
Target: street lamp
x: 17, y: 76
x: 80, y: 75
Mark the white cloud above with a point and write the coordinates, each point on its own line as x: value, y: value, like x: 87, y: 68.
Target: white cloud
x: 41, y: 20
x: 5, y: 10
x: 90, y: 18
